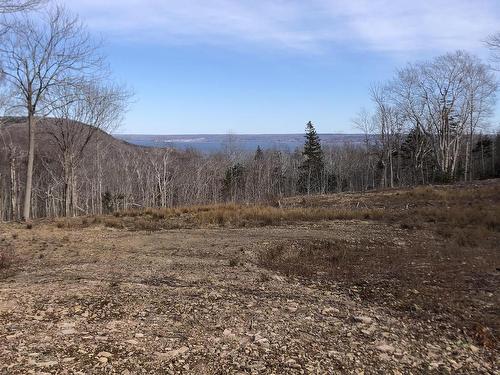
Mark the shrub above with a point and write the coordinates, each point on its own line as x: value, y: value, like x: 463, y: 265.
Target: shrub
x: 6, y: 257
x: 61, y: 224
x: 233, y: 262
x: 304, y: 257
x: 113, y: 223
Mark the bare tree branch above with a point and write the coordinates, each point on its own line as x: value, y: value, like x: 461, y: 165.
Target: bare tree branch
x: 15, y: 6
x: 493, y: 43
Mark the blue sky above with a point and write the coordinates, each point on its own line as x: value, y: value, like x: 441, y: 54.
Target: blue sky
x: 269, y: 66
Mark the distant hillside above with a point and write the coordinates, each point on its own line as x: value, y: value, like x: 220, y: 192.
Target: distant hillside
x: 14, y: 130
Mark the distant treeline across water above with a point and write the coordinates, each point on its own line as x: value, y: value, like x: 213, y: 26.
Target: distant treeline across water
x: 210, y: 143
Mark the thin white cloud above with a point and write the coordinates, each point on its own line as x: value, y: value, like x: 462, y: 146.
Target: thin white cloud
x: 380, y: 25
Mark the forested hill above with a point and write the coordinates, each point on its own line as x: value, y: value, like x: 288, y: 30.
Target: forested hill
x: 14, y: 133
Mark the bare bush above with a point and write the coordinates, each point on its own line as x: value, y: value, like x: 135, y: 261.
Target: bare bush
x: 7, y: 257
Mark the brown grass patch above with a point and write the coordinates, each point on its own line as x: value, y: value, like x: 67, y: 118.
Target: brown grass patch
x: 223, y: 215
x: 246, y: 215
x: 305, y: 258
x: 449, y: 280
x: 475, y: 210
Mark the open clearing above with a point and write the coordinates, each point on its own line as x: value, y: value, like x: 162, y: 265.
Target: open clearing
x: 395, y: 290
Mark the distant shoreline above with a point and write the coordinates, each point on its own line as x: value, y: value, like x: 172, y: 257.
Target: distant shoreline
x: 209, y: 143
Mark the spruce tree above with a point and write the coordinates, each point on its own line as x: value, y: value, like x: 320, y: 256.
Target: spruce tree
x: 311, y: 170
x: 259, y: 154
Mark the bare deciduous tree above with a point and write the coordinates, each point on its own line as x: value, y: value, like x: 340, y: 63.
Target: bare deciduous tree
x: 389, y: 120
x: 81, y: 111
x: 40, y: 55
x: 367, y: 124
x: 439, y: 98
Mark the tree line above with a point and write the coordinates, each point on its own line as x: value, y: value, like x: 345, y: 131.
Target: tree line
x: 111, y: 175
x: 430, y: 123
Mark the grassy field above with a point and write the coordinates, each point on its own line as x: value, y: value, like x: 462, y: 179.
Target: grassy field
x: 394, y: 281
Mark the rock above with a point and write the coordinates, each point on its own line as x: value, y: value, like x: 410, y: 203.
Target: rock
x: 47, y: 364
x: 384, y: 357
x: 132, y: 342
x: 455, y: 364
x: 435, y: 365
x: 183, y: 349
x: 69, y: 331
x: 292, y: 363
x: 105, y: 354
x: 173, y: 353
x: 103, y: 360
x: 259, y: 366
x: 330, y: 310
x: 139, y: 335
x: 229, y: 334
x: 262, y: 341
x: 386, y: 348
x: 474, y: 348
x: 278, y: 278
x: 363, y: 319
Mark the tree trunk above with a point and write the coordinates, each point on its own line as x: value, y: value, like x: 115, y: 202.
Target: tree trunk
x: 467, y: 155
x: 67, y: 186
x: 74, y: 191
x: 391, y: 166
x: 13, y: 188
x: 30, y: 166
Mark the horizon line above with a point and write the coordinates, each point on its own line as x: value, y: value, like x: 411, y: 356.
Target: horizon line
x: 232, y: 133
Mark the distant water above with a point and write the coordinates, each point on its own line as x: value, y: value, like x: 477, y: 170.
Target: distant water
x: 211, y: 143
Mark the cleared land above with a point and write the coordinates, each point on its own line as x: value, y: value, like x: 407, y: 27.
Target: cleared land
x: 399, y: 281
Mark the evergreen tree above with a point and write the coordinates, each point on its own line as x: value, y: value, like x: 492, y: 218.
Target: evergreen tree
x: 107, y: 202
x: 483, y: 156
x: 233, y: 182
x: 259, y: 154
x: 416, y: 159
x: 311, y: 170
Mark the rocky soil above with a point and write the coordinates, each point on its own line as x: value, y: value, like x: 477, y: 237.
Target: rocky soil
x: 104, y: 301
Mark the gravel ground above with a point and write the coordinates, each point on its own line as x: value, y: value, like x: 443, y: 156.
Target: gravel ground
x: 104, y: 301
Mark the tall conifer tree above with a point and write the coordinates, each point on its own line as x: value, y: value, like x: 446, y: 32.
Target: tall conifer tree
x: 311, y: 170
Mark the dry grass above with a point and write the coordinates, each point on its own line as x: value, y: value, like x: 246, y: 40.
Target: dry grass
x: 441, y: 281
x: 229, y: 215
x: 469, y: 215
x: 232, y: 215
x: 452, y: 274
x: 305, y: 258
